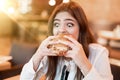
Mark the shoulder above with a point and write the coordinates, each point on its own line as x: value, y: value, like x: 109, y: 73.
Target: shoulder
x: 96, y: 51
x: 96, y: 47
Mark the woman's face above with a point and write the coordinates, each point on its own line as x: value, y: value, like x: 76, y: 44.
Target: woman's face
x: 66, y: 24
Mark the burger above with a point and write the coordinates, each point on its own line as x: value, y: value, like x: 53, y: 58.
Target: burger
x: 59, y: 48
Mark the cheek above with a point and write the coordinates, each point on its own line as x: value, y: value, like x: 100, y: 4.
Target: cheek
x: 74, y: 33
x: 77, y: 35
x: 54, y: 31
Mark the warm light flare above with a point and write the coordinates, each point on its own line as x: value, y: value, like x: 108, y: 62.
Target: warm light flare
x: 24, y: 6
x: 11, y: 10
x: 2, y: 4
x: 52, y: 2
x: 66, y: 1
x: 5, y: 4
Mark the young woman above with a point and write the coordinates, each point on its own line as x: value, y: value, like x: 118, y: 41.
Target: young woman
x: 86, y: 60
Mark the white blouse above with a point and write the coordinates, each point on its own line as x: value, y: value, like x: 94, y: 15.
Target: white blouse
x: 98, y: 57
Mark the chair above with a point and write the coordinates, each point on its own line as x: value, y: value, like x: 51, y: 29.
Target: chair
x: 21, y: 54
x: 115, y: 71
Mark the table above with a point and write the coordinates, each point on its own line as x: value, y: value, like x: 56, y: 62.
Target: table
x: 5, y: 58
x: 5, y: 65
x: 17, y: 77
x: 115, y: 61
x: 108, y: 35
x: 4, y: 62
x: 109, y: 38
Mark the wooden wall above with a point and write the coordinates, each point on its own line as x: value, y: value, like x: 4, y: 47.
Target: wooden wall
x: 101, y: 11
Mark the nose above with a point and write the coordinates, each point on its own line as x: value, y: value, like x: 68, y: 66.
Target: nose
x: 62, y: 30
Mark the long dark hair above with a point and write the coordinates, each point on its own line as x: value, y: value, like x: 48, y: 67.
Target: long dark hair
x: 85, y: 36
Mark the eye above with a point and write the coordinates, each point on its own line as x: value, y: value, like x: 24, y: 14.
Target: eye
x: 56, y: 24
x: 70, y: 24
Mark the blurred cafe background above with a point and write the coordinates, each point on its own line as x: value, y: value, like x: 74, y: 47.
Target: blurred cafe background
x: 23, y: 25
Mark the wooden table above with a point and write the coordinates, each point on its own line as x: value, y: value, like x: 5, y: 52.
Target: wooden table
x: 115, y: 61
x: 17, y: 77
x: 109, y: 35
x: 4, y: 62
x: 110, y: 38
x: 5, y: 65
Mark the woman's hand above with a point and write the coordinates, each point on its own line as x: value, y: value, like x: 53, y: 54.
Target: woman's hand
x: 41, y: 52
x: 78, y: 55
x: 76, y: 50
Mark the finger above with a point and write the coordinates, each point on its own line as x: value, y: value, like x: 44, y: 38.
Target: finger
x: 51, y: 54
x: 50, y: 38
x: 68, y: 54
x: 71, y: 39
x: 68, y: 43
x: 47, y: 40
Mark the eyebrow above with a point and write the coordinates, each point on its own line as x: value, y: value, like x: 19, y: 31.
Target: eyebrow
x: 65, y: 20
x: 56, y: 20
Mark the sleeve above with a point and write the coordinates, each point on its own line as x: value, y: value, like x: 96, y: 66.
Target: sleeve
x: 101, y: 67
x: 28, y: 72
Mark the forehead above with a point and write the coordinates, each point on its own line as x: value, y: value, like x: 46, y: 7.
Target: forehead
x: 64, y: 15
